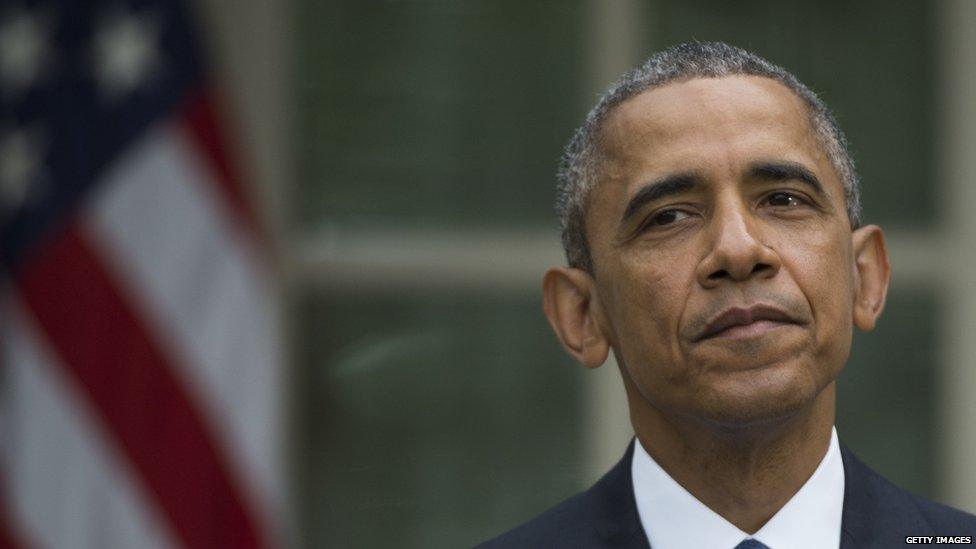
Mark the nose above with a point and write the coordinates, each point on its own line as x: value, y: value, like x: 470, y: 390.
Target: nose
x: 736, y: 249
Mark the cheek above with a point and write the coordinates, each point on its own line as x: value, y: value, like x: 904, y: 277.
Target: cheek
x: 824, y: 272
x: 650, y: 298
x: 655, y: 284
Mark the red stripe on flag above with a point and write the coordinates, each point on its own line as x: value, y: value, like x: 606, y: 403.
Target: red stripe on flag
x: 200, y: 119
x: 112, y: 355
x: 7, y: 538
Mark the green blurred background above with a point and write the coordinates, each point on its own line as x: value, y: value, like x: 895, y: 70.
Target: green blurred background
x: 431, y: 405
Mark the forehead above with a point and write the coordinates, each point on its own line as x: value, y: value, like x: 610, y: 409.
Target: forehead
x: 708, y: 121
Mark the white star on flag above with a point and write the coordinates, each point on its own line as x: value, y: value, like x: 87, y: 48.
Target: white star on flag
x: 125, y: 53
x: 23, y: 50
x: 20, y: 164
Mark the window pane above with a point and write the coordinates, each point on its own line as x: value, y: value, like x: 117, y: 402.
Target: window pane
x: 436, y: 114
x: 881, y: 89
x: 886, y: 395
x: 431, y: 421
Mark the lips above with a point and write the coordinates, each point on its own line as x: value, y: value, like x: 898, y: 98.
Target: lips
x: 765, y: 315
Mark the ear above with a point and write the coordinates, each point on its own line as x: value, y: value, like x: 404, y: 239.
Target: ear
x: 569, y: 301
x: 872, y: 274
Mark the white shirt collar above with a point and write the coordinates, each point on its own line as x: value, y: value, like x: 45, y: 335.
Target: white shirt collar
x: 673, y: 518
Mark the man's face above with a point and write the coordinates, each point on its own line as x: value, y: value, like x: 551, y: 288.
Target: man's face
x: 722, y: 249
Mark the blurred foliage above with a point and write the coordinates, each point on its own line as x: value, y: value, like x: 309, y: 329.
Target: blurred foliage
x: 438, y: 420
x: 436, y: 114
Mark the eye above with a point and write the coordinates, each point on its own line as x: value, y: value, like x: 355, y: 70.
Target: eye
x: 666, y: 217
x: 784, y: 199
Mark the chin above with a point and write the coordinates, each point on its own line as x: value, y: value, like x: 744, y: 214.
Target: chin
x: 757, y: 397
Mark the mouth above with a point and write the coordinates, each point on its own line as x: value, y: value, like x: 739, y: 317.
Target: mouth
x: 739, y: 322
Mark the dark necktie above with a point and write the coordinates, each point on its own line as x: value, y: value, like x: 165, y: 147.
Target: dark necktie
x: 751, y: 544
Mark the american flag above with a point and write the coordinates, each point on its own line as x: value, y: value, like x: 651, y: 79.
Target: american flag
x: 139, y: 386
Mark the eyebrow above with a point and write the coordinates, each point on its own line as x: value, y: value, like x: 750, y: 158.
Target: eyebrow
x: 656, y: 190
x: 767, y: 170
x: 786, y: 171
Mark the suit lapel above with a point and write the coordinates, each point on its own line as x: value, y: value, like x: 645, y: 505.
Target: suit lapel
x: 614, y: 508
x: 876, y: 514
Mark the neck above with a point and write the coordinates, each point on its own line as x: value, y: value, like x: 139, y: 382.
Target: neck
x: 744, y: 473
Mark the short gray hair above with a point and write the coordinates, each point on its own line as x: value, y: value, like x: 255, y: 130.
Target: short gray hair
x: 579, y: 168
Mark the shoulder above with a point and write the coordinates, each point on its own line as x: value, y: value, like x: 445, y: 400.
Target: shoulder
x: 874, y: 508
x: 946, y: 520
x: 606, y: 514
x: 562, y: 525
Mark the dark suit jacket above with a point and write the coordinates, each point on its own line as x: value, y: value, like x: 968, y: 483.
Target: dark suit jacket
x: 876, y: 514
